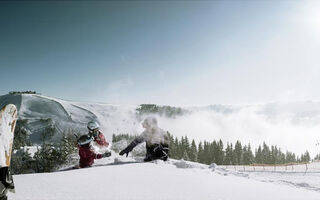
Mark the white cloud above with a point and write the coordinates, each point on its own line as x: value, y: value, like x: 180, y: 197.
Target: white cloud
x: 289, y: 126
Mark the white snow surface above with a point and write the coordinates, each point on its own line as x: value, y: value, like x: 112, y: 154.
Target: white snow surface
x: 121, y: 178
x: 304, y: 176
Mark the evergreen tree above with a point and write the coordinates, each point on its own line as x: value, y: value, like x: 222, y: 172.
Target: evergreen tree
x: 290, y: 157
x: 305, y: 157
x: 185, y: 156
x: 219, y: 153
x: 206, y: 153
x: 274, y: 155
x: 317, y: 157
x: 22, y: 162
x: 247, y: 155
x: 186, y: 146
x: 212, y: 152
x: 193, y: 152
x: 258, y: 156
x: 228, y: 155
x: 266, y: 155
x: 172, y: 146
x: 238, y: 153
x: 201, y: 153
x: 67, y: 147
x: 282, y: 157
x: 177, y: 149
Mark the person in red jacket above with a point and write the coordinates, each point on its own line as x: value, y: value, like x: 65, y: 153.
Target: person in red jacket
x: 97, y: 135
x: 86, y: 153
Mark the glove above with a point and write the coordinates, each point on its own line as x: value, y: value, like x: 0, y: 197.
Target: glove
x: 125, y: 151
x: 106, y: 154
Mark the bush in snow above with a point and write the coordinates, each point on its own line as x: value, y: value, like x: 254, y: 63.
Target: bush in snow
x: 22, y: 162
x: 213, y: 166
x: 48, y: 157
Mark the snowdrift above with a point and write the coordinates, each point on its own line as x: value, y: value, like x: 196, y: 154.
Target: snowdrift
x: 120, y: 178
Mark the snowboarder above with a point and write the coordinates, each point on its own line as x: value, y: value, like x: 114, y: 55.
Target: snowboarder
x: 8, y: 118
x: 86, y: 152
x: 157, y: 141
x: 98, y: 137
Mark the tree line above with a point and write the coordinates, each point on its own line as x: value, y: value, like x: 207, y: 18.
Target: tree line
x: 230, y: 154
x: 23, y: 92
x: 168, y: 111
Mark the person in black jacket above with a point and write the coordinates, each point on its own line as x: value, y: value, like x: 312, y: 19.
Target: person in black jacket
x: 157, y: 141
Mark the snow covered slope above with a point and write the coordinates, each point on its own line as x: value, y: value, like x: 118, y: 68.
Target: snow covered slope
x: 122, y: 178
x: 42, y: 112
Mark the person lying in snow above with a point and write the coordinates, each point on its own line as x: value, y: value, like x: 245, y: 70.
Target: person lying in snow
x: 157, y: 141
x: 86, y: 152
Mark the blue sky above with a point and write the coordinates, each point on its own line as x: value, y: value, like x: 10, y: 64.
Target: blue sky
x: 178, y: 53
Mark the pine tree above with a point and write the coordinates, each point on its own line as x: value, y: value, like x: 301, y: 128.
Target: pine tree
x: 305, y: 157
x: 258, y: 155
x: 172, y: 146
x: 193, y: 152
x: 176, y: 153
x: 282, y: 157
x: 206, y: 153
x: 290, y: 157
x: 238, y: 153
x: 212, y: 152
x: 200, y: 153
x: 22, y: 162
x: 185, y: 156
x: 317, y: 157
x: 228, y: 155
x: 266, y: 155
x: 220, y: 153
x: 247, y: 155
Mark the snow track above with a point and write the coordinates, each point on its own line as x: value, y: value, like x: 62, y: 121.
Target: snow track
x: 121, y: 178
x: 300, y: 179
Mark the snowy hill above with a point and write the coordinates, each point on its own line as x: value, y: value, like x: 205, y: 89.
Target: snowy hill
x: 123, y: 178
x: 41, y: 112
x: 293, y: 126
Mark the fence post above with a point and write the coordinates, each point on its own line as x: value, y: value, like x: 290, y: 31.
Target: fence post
x: 306, y: 167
